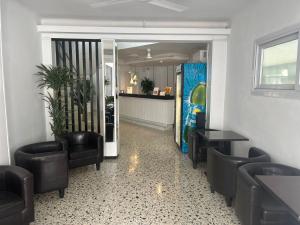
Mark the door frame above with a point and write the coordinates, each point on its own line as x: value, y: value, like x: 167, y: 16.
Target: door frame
x: 216, y: 37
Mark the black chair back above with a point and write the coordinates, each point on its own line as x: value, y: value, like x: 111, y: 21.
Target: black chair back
x: 201, y: 120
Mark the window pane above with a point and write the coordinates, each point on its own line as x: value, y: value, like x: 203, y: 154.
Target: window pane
x: 279, y: 64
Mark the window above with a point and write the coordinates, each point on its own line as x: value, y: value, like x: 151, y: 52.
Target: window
x: 277, y: 62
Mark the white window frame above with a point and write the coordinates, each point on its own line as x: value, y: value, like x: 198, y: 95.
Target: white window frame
x: 283, y: 36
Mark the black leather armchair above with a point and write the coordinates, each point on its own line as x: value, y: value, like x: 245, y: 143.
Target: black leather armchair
x: 197, y: 145
x: 48, y: 162
x: 253, y: 205
x: 84, y: 148
x: 16, y: 196
x: 222, y: 170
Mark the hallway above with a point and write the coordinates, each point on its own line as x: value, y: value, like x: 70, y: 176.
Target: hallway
x: 150, y: 183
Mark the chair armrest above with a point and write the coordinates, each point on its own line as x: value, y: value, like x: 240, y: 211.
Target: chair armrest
x: 64, y: 142
x: 235, y: 161
x: 48, y: 166
x: 51, y: 157
x: 20, y: 181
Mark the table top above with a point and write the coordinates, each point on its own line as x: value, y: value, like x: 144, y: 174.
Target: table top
x: 286, y: 189
x: 221, y: 135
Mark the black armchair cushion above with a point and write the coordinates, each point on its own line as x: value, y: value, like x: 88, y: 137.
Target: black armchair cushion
x: 10, y: 203
x: 82, y: 151
x: 222, y: 169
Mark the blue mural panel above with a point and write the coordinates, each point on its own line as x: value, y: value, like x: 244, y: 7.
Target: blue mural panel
x: 193, y: 97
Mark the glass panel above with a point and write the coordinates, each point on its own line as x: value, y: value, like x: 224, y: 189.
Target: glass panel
x: 279, y: 64
x: 108, y: 54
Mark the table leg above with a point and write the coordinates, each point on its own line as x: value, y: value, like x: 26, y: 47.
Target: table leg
x: 225, y: 147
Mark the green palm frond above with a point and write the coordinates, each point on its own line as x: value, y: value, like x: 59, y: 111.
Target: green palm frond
x: 55, y: 78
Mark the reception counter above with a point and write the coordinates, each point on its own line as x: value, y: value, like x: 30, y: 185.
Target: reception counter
x: 148, y: 110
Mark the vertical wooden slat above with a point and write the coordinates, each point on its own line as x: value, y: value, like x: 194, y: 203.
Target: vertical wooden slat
x: 84, y: 86
x: 66, y: 106
x: 79, y: 57
x: 58, y: 63
x: 57, y: 53
x: 98, y: 87
x: 72, y: 85
x: 91, y: 84
x: 78, y: 85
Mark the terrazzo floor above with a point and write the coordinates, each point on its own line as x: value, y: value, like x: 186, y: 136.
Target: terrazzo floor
x: 151, y: 182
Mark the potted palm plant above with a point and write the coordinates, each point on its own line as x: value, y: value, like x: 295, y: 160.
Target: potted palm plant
x: 54, y: 78
x: 147, y: 86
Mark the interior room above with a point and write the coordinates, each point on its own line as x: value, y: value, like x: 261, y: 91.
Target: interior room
x: 149, y: 112
x: 156, y: 64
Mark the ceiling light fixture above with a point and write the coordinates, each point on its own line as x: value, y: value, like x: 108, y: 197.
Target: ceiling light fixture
x: 149, y: 56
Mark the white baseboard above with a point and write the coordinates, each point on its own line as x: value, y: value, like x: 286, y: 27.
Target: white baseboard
x: 146, y: 123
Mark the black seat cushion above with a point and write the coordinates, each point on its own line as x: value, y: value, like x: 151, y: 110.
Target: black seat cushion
x: 82, y: 151
x: 10, y: 204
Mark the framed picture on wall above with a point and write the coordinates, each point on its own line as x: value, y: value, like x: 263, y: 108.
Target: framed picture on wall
x: 156, y: 91
x: 168, y: 90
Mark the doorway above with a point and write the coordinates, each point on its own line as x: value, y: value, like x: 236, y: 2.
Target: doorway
x: 162, y: 63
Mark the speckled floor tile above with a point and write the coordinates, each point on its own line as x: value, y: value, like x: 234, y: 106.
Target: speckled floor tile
x: 150, y: 183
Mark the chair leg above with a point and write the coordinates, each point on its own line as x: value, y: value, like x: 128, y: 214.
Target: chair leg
x: 212, y: 190
x: 194, y: 164
x: 98, y: 166
x: 61, y: 192
x: 228, y: 201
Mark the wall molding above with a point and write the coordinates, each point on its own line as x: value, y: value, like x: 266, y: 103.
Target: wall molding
x: 131, y: 30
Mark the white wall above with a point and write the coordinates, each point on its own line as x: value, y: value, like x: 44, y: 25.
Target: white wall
x: 216, y: 83
x: 162, y: 75
x: 271, y: 123
x: 4, y: 145
x: 21, y: 52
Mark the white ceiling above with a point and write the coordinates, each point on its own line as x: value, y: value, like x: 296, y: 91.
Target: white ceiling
x: 167, y: 52
x: 216, y: 10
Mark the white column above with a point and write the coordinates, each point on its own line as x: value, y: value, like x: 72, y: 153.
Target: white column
x: 47, y: 60
x: 4, y: 142
x: 218, y: 83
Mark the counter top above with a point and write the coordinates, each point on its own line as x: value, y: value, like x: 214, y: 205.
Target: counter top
x: 167, y: 97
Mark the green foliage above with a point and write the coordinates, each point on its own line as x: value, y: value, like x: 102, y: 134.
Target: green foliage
x: 109, y: 100
x: 82, y: 93
x: 147, y: 85
x: 56, y: 112
x: 55, y: 78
